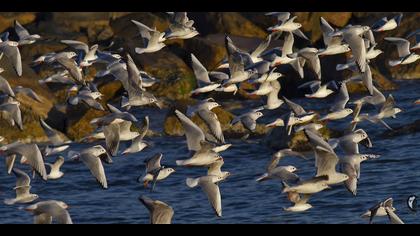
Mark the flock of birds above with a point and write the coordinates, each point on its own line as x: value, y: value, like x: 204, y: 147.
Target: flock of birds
x: 257, y: 67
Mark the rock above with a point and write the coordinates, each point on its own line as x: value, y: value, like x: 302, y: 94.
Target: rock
x: 78, y: 123
x: 78, y: 117
x: 31, y: 110
x: 409, y: 23
x: 32, y: 131
x: 77, y: 21
x: 173, y: 127
x: 278, y: 138
x: 167, y: 65
x: 231, y: 23
x: 311, y: 22
x: 403, y: 130
x: 380, y: 81
x: 177, y: 78
x: 124, y: 28
x: 260, y: 19
x: 7, y: 19
x: 208, y: 52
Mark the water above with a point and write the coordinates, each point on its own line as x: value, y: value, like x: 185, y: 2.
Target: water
x: 395, y: 174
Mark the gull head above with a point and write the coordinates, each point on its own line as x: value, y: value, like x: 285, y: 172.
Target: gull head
x: 226, y: 174
x: 258, y: 114
x: 12, y: 43
x: 1, y: 70
x: 348, y: 110
x: 218, y: 157
x: 71, y: 54
x: 152, y: 100
x: 365, y: 28
x: 342, y: 177
x: 62, y: 204
x: 169, y: 170
x: 397, y: 110
x: 376, y: 53
x: 360, y: 135
x: 277, y: 123
x: 98, y: 150
x: 290, y: 168
x: 33, y: 196
x: 212, y: 105
x: 96, y: 95
x: 85, y: 63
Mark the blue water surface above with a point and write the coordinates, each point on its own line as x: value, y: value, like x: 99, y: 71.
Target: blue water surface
x: 395, y: 174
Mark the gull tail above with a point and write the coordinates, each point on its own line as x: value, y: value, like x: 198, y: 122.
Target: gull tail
x: 124, y: 102
x: 126, y: 151
x: 235, y: 120
x: 139, y: 50
x: 394, y: 62
x: 180, y: 162
x: 373, y: 156
x: 286, y: 187
x: 289, y: 129
x: 102, y: 73
x: 341, y: 67
x: 37, y: 61
x: 324, y: 118
x: 10, y: 201
x: 191, y: 182
x: 333, y: 142
x: 72, y: 155
x: 74, y: 101
x: 299, y: 33
x: 262, y: 178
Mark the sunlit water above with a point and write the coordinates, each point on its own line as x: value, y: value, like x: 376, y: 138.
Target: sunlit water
x: 395, y: 174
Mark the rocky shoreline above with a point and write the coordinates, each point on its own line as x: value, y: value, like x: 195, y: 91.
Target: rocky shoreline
x: 170, y: 65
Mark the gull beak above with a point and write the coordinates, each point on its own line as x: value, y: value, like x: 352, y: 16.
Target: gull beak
x: 269, y: 125
x: 354, y: 121
x: 158, y: 105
